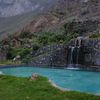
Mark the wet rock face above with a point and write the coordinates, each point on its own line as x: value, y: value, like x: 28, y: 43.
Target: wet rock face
x: 89, y: 52
x: 57, y: 55
x: 54, y: 55
x: 94, y: 54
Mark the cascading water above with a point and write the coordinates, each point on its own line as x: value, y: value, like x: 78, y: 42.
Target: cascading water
x: 77, y: 58
x: 74, y: 53
x: 71, y: 60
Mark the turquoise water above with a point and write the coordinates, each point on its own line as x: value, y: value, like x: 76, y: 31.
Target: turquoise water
x: 82, y: 81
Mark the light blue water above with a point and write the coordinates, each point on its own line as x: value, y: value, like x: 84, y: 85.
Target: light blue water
x: 68, y: 79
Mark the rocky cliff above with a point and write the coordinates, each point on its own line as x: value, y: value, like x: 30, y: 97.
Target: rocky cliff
x: 87, y: 56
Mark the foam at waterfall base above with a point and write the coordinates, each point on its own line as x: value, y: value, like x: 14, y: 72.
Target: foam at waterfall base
x: 73, y: 67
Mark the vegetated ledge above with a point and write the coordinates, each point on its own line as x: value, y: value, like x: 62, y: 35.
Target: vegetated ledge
x: 12, y: 88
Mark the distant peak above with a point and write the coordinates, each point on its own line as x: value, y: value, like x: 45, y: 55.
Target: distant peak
x: 15, y: 7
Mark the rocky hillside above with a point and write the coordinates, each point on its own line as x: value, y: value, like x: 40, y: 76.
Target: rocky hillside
x: 85, y: 14
x: 57, y: 13
x: 80, y: 9
x: 15, y: 14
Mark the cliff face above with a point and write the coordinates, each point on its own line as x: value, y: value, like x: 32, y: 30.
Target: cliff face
x: 51, y: 55
x: 87, y: 56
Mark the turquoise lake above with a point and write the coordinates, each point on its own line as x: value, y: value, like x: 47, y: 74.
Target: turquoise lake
x: 82, y: 81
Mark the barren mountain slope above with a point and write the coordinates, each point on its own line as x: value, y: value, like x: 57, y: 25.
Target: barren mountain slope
x: 86, y: 12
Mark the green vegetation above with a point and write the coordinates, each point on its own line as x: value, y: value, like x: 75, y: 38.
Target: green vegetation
x: 35, y: 41
x: 22, y: 55
x: 25, y: 43
x: 13, y: 88
x: 95, y: 35
x: 10, y: 62
x: 13, y: 52
x: 48, y: 38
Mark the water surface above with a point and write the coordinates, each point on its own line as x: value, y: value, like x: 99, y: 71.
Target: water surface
x: 82, y: 81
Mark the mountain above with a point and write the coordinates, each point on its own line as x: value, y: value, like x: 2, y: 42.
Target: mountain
x: 15, y: 14
x: 84, y: 13
x: 16, y: 7
x: 12, y: 24
x: 49, y: 15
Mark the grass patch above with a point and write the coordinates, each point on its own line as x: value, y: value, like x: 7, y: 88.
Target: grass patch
x: 14, y: 88
x: 10, y: 62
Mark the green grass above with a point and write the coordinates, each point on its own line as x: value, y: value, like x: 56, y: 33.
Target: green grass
x: 14, y: 88
x: 10, y: 62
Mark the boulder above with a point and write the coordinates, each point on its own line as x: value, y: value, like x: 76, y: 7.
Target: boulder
x: 34, y: 77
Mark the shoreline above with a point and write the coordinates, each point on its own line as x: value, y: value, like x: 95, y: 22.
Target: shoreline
x: 91, y: 69
x: 58, y: 87
x: 50, y: 81
x: 66, y: 90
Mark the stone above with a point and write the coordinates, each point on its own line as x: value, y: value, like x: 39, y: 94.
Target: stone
x: 34, y: 76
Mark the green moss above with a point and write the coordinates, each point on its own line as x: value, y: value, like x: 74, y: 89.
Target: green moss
x: 14, y: 88
x: 95, y: 35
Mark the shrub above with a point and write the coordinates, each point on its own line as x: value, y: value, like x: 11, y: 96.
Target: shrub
x: 13, y: 52
x: 26, y: 35
x: 36, y: 46
x: 95, y: 35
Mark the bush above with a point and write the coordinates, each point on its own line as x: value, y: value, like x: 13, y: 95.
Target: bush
x: 27, y: 59
x: 48, y: 38
x: 57, y: 38
x: 95, y: 36
x: 73, y: 27
x: 25, y: 35
x: 24, y: 52
x: 13, y: 52
x: 36, y: 46
x: 43, y: 39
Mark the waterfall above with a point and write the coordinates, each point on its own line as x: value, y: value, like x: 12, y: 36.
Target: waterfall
x: 74, y: 55
x: 74, y: 52
x: 77, y: 58
x: 71, y: 60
